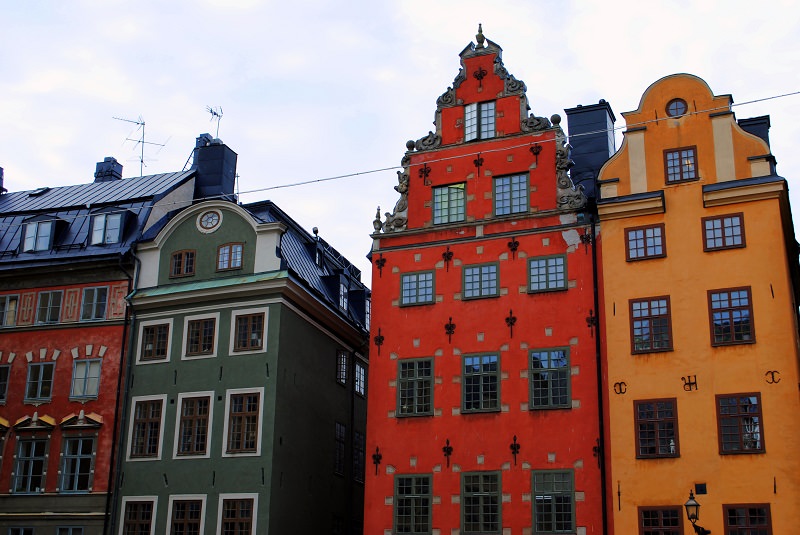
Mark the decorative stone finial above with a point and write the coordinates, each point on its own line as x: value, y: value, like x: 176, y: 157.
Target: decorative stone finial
x: 479, y: 37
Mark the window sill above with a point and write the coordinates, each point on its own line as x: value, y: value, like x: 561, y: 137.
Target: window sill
x: 650, y: 351
x: 734, y: 343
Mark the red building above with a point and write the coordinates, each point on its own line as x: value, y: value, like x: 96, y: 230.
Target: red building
x: 483, y: 408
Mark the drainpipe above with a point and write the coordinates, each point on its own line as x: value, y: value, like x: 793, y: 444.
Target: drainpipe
x: 122, y: 395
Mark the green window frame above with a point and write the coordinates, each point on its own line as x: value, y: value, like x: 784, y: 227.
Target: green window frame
x: 511, y: 194
x: 77, y: 464
x: 449, y: 203
x: 413, y: 496
x: 549, y: 378
x: 553, y: 501
x: 481, y: 503
x: 481, y: 281
x: 481, y: 383
x: 415, y: 387
x: 417, y: 288
x: 547, y: 273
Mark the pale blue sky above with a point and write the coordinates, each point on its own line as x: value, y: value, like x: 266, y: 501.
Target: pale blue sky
x: 312, y: 88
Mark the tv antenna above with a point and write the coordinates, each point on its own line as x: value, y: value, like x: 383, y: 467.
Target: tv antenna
x: 216, y: 115
x: 140, y: 141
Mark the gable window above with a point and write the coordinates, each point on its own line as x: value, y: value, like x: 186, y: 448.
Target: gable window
x: 676, y: 107
x: 656, y: 428
x: 94, y: 303
x: 106, y: 228
x: 645, y: 242
x: 237, y: 516
x: 200, y: 337
x: 749, y: 519
x: 146, y: 428
x: 412, y: 504
x: 479, y: 121
x: 229, y: 256
x: 340, y: 443
x: 480, y: 281
x: 481, y: 383
x: 739, y: 423
x: 360, y: 379
x: 548, y: 273
x: 30, y: 466
x: 724, y: 232
x: 244, y: 422
x: 511, y: 194
x: 154, y: 343
x: 660, y: 521
x: 480, y: 503
x: 85, y: 378
x: 182, y: 264
x: 731, y: 314
x: 77, y: 465
x: 38, y: 236
x: 138, y: 517
x: 49, y: 307
x: 449, y: 203
x: 554, y: 501
x: 680, y: 164
x: 416, y: 288
x: 415, y: 388
x: 8, y: 310
x: 40, y: 381
x: 5, y: 372
x: 193, y: 425
x: 650, y: 325
x: 186, y: 517
x: 249, y: 332
x: 549, y: 379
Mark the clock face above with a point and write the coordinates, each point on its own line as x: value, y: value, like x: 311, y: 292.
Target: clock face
x: 209, y: 220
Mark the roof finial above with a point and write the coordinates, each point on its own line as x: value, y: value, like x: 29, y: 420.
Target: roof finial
x: 479, y: 37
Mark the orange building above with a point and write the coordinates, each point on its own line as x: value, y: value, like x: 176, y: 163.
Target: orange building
x: 700, y: 292
x: 483, y: 404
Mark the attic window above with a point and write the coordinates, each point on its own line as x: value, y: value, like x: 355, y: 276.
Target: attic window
x: 106, y: 228
x: 37, y: 192
x: 343, y: 295
x: 38, y: 236
x: 676, y: 107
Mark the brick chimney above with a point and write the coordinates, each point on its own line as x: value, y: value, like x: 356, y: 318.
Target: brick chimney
x: 107, y: 170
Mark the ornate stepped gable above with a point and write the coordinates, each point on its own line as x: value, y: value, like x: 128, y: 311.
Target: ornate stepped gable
x: 569, y: 197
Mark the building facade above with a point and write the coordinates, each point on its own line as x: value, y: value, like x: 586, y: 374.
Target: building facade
x: 700, y: 290
x: 483, y: 412
x: 246, y: 398
x: 65, y: 269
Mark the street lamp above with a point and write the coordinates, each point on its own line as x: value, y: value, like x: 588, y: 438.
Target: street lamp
x: 693, y: 514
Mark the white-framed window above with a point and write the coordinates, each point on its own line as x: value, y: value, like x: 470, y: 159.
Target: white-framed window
x: 248, y: 331
x: 193, y: 421
x: 48, y: 309
x: 187, y: 514
x: 146, y: 428
x: 85, y: 378
x: 200, y: 335
x: 155, y: 341
x: 343, y: 296
x: 229, y: 256
x: 243, y: 422
x: 106, y: 228
x: 479, y: 120
x: 138, y: 515
x: 38, y: 236
x: 360, y: 379
x: 94, y: 303
x: 8, y: 310
x: 238, y: 513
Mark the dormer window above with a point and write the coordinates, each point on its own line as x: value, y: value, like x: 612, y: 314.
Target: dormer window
x: 106, y: 228
x: 343, y: 296
x: 38, y: 236
x: 479, y: 121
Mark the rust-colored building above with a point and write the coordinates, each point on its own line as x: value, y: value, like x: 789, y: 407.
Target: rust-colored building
x: 483, y: 405
x: 700, y: 284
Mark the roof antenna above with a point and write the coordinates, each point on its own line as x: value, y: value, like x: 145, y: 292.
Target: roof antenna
x: 216, y: 114
x: 140, y: 126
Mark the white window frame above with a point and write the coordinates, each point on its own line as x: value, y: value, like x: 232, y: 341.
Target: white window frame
x: 100, y: 236
x: 94, y: 303
x: 4, y: 309
x: 185, y: 337
x: 202, y: 498
x: 238, y: 496
x: 232, y: 342
x: 85, y: 378
x: 228, y: 394
x: 126, y: 499
x: 205, y: 393
x: 170, y: 335
x: 157, y: 457
x: 33, y: 236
